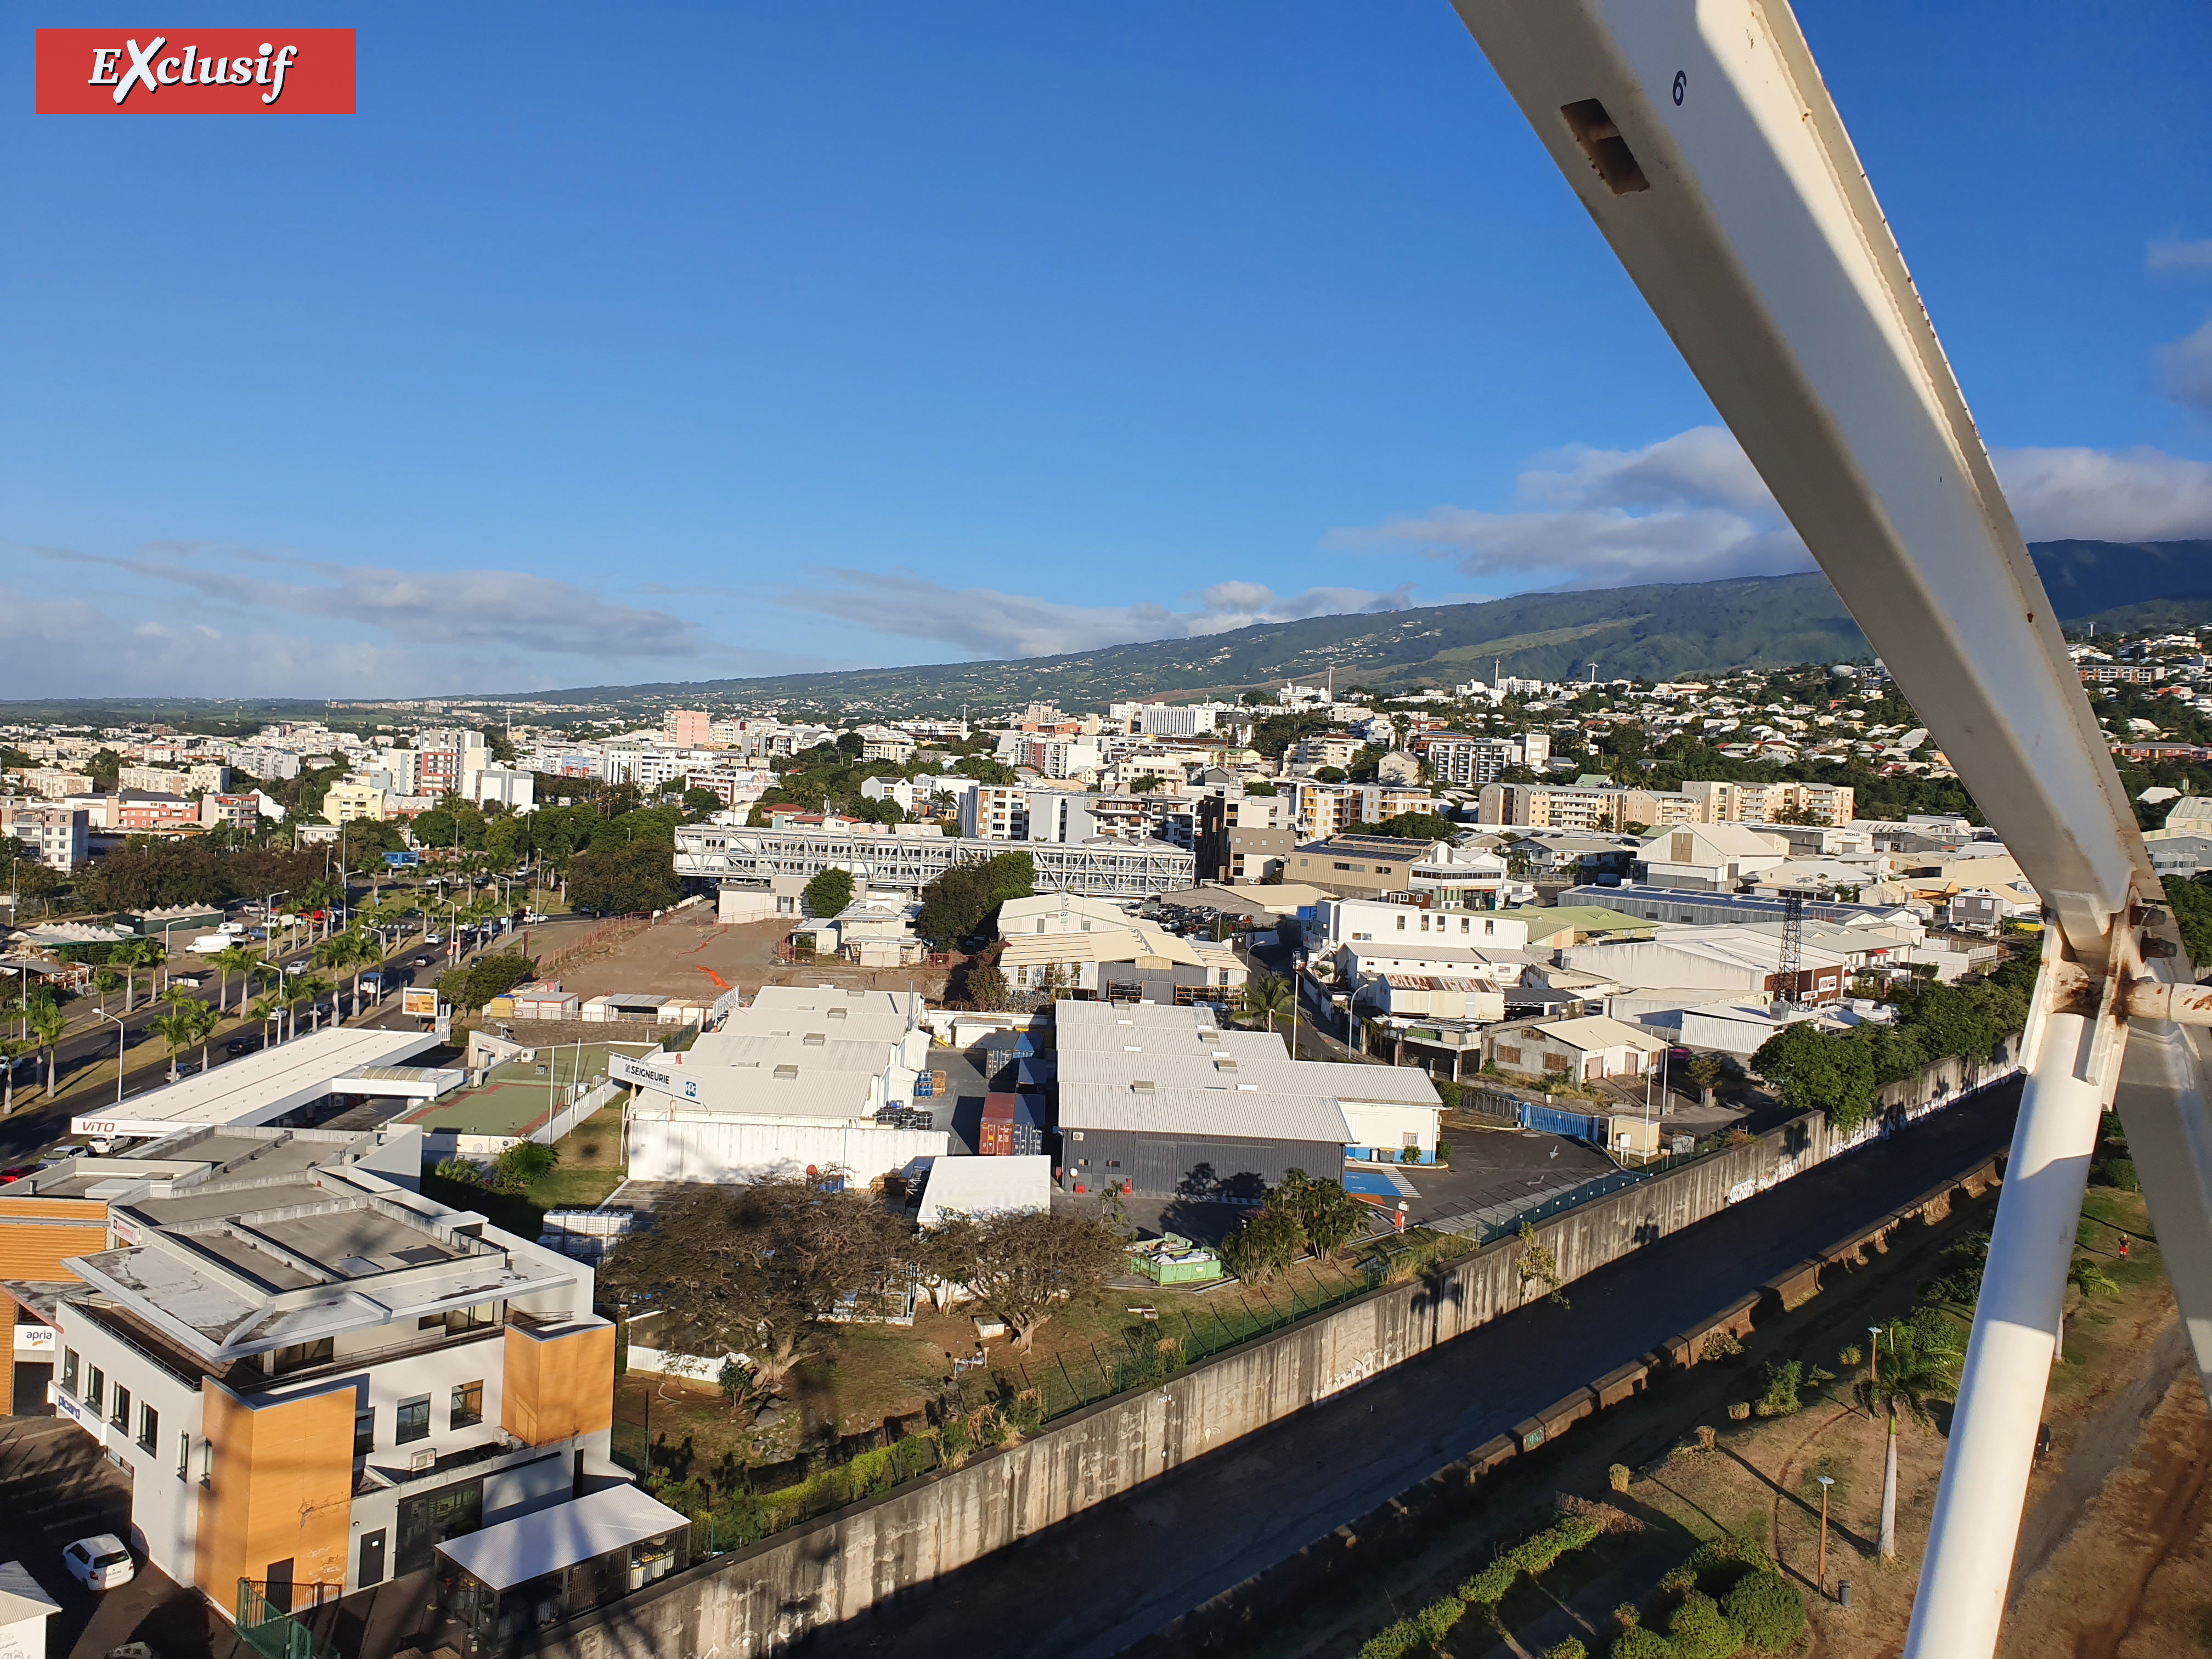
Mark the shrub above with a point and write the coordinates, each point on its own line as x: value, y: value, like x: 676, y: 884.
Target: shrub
x: 954, y: 1438
x: 1604, y: 1516
x: 1628, y: 1615
x: 521, y: 1165
x: 1618, y: 1477
x: 1850, y: 1357
x: 1768, y: 1610
x: 1487, y: 1587
x: 1572, y: 1648
x: 1706, y: 1435
x: 1435, y: 1620
x: 1699, y: 1629
x: 1739, y: 1412
x: 1780, y: 1398
x: 1642, y: 1643
x: 2121, y: 1172
x: 459, y: 1169
x: 1720, y: 1344
x: 1394, y: 1642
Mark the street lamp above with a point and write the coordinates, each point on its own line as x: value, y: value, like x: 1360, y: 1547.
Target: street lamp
x: 121, y: 1032
x: 1873, y: 1353
x: 1826, y: 1481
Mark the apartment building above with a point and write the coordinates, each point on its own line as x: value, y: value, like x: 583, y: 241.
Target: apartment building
x: 1323, y: 810
x: 1722, y: 802
x: 1585, y: 809
x: 269, y: 763
x: 689, y: 728
x: 1462, y: 761
x: 994, y: 812
x: 1242, y: 839
x: 446, y: 760
x: 57, y: 836
x: 347, y: 801
x: 52, y: 783
x: 174, y: 779
x: 315, y: 1376
x: 1328, y: 749
x: 230, y: 812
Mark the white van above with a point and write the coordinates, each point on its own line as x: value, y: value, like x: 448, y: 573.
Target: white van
x: 208, y: 944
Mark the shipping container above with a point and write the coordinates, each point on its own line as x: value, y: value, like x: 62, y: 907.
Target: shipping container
x: 1008, y: 1128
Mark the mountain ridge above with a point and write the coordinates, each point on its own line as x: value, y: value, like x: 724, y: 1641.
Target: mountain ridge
x: 1660, y: 630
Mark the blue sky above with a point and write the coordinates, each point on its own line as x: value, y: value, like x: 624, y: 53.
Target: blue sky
x: 672, y: 342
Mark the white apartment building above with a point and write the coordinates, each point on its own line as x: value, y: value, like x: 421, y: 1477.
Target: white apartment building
x: 995, y: 811
x: 55, y: 835
x: 1467, y: 762
x: 315, y: 1375
x: 174, y: 779
x: 1339, y: 922
x: 1722, y: 802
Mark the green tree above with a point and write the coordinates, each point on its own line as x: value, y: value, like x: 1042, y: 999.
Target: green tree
x: 625, y: 879
x: 964, y: 900
x: 1028, y: 1263
x: 233, y: 959
x: 1816, y: 1070
x: 1262, y: 1246
x: 1329, y: 1217
x: 1268, y: 995
x: 1913, y: 1365
x: 106, y: 981
x: 133, y: 954
x: 47, y: 1025
x: 828, y: 893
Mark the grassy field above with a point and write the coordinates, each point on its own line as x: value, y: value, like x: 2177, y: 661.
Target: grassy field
x: 590, y: 1169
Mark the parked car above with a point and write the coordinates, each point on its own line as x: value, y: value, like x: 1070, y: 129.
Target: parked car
x: 100, y: 1562
x: 16, y: 1172
x: 238, y: 1046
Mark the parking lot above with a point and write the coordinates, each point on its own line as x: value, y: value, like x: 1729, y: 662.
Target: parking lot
x: 57, y: 1487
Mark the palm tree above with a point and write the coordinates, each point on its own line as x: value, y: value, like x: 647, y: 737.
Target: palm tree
x: 9, y: 1048
x: 1268, y: 994
x: 133, y: 954
x: 1913, y: 1363
x: 175, y: 1027
x: 47, y: 1025
x: 233, y: 959
x: 269, y: 1008
x: 309, y: 989
x: 103, y: 981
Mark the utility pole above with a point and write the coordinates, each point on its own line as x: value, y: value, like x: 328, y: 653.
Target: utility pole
x: 1826, y: 1481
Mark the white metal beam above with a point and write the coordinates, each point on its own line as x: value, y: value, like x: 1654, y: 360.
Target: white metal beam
x: 1698, y: 135
x: 1702, y: 141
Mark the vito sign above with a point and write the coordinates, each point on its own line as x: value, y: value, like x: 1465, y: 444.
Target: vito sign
x: 154, y: 72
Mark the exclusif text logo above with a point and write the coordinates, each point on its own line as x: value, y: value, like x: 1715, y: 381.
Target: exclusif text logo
x: 196, y: 71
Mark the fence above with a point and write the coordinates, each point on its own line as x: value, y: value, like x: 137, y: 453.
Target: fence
x: 1150, y: 1353
x: 274, y: 1633
x: 568, y: 1117
x: 1501, y: 1108
x: 1575, y: 1126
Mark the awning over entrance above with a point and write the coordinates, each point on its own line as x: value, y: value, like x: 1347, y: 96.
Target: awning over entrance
x: 516, y: 1552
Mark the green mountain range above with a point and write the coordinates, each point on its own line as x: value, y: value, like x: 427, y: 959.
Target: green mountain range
x: 1663, y: 631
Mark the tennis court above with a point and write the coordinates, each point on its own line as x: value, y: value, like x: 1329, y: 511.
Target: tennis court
x: 517, y: 1096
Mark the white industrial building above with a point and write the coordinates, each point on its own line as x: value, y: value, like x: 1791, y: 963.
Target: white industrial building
x: 796, y: 1081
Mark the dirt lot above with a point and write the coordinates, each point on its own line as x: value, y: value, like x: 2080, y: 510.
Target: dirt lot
x: 2116, y: 1554
x: 690, y: 955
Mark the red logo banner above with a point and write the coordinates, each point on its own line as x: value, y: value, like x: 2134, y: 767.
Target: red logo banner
x: 196, y: 71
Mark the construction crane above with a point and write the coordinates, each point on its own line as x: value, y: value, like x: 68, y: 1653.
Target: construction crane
x: 1704, y: 143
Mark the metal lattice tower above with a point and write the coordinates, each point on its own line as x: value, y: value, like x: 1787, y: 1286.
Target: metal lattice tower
x: 1790, y: 969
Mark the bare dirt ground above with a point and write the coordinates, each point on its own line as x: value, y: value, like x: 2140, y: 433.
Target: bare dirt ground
x: 692, y: 955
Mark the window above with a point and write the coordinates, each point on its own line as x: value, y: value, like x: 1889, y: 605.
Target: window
x: 1401, y: 923
x: 364, y: 1431
x: 184, y: 1456
x: 467, y: 1407
x: 68, y: 1370
x: 149, y: 1428
x: 1409, y: 1138
x: 413, y: 1422
x: 94, y: 1388
x: 300, y: 1355
x: 121, y: 1415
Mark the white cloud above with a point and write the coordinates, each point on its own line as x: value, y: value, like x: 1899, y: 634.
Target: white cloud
x: 2187, y: 365
x: 2174, y: 255
x: 196, y: 619
x: 1691, y: 509
x: 2129, y: 495
x: 1688, y: 509
x: 983, y: 622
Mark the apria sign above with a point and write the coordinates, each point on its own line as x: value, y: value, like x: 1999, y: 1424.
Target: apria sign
x: 196, y: 72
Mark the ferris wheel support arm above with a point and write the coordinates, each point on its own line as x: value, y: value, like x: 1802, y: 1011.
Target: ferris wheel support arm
x: 1701, y: 139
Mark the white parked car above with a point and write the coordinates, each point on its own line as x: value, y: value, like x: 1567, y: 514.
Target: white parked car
x: 99, y: 1562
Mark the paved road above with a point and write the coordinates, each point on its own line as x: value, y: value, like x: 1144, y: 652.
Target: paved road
x: 1089, y: 1587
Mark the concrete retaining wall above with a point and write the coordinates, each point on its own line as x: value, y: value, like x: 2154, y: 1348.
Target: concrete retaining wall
x: 759, y: 1600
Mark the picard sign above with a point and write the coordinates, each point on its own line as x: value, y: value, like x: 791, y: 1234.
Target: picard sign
x: 152, y: 71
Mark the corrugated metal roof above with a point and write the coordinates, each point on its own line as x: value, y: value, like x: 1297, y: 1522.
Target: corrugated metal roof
x: 1226, y: 1112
